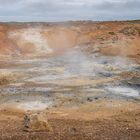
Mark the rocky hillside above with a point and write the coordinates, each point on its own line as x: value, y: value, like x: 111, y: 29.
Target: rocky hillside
x: 45, y: 39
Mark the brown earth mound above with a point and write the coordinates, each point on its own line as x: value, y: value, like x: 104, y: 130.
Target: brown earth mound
x: 112, y: 38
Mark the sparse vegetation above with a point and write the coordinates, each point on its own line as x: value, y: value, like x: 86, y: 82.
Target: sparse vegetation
x: 7, y: 79
x: 4, y: 80
x: 133, y: 21
x: 130, y: 31
x: 112, y: 33
x: 138, y: 30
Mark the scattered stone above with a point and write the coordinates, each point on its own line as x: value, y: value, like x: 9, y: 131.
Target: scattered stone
x: 36, y: 122
x: 96, y: 98
x: 17, y: 101
x: 106, y: 74
x: 95, y: 50
x: 73, y: 130
x: 130, y: 31
x: 89, y: 99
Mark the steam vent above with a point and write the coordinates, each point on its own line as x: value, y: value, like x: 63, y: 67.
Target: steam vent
x: 76, y: 80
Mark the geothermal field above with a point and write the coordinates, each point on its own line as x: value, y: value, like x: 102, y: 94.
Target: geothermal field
x: 70, y: 81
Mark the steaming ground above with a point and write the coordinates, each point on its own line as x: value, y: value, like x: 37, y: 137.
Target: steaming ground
x: 84, y: 76
x: 31, y: 38
x: 76, y: 76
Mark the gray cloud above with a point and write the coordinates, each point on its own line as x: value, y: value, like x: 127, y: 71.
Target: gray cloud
x: 119, y: 5
x: 46, y: 10
x: 8, y: 2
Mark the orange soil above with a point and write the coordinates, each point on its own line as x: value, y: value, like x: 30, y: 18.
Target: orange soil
x: 64, y: 37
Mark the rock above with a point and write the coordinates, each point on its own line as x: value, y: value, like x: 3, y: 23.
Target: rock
x: 95, y: 50
x: 36, y: 122
x: 73, y: 130
x: 96, y: 98
x: 89, y: 99
x: 106, y: 74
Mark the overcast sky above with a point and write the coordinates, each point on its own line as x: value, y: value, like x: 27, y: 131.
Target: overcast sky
x: 61, y: 10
